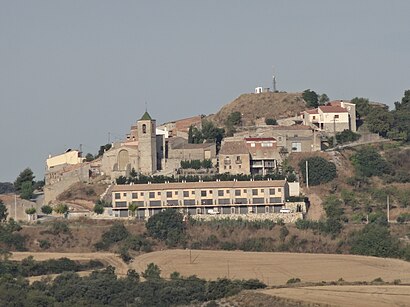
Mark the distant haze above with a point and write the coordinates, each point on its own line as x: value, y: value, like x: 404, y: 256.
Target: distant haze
x: 73, y: 71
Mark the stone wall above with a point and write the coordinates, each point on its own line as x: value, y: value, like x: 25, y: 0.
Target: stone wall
x: 63, y: 180
x: 285, y: 217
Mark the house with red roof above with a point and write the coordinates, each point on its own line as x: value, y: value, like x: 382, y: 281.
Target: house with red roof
x: 335, y: 116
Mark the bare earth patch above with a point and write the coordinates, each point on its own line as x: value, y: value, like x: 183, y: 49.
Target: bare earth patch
x: 274, y: 268
x: 358, y: 296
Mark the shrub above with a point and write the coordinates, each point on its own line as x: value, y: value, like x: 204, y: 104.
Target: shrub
x: 347, y: 136
x: 44, y: 244
x: 116, y: 233
x: 368, y: 162
x: 293, y: 281
x: 166, y: 226
x: 30, y: 211
x: 271, y: 121
x: 58, y: 227
x: 320, y: 170
x: 61, y: 209
x: 46, y: 209
x: 99, y: 209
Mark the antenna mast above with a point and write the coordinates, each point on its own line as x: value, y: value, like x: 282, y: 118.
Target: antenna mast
x: 273, y: 81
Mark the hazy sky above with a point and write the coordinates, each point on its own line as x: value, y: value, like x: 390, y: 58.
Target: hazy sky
x: 73, y: 71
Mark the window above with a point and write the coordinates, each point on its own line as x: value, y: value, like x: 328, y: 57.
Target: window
x: 192, y: 192
x: 230, y: 167
x: 186, y: 193
x: 220, y: 192
x: 227, y: 191
x: 240, y: 166
x: 134, y: 195
x: 244, y: 191
x: 203, y: 193
x: 117, y: 195
x: 272, y: 191
x: 151, y: 194
x: 159, y: 193
x: 144, y: 128
x: 336, y: 116
x: 210, y: 192
x: 233, y: 210
x: 124, y: 194
x: 279, y: 189
x: 169, y: 194
x: 254, y: 191
x: 142, y: 194
x: 266, y: 209
x: 237, y: 192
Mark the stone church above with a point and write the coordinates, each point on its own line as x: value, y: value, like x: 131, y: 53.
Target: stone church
x: 139, y: 151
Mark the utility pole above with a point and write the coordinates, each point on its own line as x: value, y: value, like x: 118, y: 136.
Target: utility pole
x: 15, y: 207
x: 307, y: 174
x: 388, y: 209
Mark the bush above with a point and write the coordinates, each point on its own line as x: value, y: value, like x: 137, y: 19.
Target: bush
x: 271, y: 121
x: 46, y: 209
x: 116, y: 233
x: 368, y: 162
x: 30, y: 211
x: 44, y: 244
x: 375, y: 240
x: 58, y: 227
x: 166, y: 226
x: 293, y: 281
x: 320, y: 170
x: 347, y: 136
x: 61, y: 209
x: 99, y: 209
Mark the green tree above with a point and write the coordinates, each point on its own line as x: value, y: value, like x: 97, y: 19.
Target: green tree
x: 3, y: 212
x: 270, y: 121
x: 311, y: 98
x: 323, y: 99
x: 30, y: 211
x: 234, y: 119
x: 152, y: 272
x: 25, y: 176
x: 320, y: 170
x: 26, y: 191
x: 401, y: 119
x: 133, y: 207
x: 89, y: 157
x: 61, y: 209
x: 211, y: 133
x: 379, y: 121
x: 46, y: 209
x: 375, y: 240
x: 98, y: 208
x: 167, y: 226
x: 362, y: 106
x: 368, y: 162
x: 347, y: 136
x: 103, y: 149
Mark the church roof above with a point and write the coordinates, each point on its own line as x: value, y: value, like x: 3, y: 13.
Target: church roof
x: 146, y: 116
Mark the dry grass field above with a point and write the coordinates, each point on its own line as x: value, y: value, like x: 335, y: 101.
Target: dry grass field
x: 359, y: 296
x: 274, y: 268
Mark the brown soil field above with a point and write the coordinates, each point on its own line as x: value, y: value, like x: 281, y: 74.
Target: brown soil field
x: 274, y: 268
x: 359, y: 296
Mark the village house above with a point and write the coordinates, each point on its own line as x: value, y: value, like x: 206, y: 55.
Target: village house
x: 331, y: 118
x: 203, y: 198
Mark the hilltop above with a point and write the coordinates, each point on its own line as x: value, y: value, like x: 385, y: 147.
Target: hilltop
x: 255, y: 106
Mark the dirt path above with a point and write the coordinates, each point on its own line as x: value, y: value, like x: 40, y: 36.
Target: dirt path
x: 107, y: 258
x: 316, y: 210
x: 274, y: 268
x: 359, y: 296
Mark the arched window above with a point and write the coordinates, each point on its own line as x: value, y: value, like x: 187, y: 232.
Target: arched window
x: 144, y: 128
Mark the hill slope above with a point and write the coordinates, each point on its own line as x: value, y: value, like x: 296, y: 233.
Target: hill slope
x: 268, y: 105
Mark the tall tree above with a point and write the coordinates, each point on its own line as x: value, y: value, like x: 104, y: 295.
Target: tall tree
x: 25, y: 176
x: 323, y: 99
x: 3, y: 211
x: 311, y: 98
x: 362, y: 106
x: 379, y: 121
x: 401, y: 118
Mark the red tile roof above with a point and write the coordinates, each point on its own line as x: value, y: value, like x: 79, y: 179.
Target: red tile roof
x: 313, y: 111
x: 332, y: 109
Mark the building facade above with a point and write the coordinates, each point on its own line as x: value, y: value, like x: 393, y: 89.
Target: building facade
x: 334, y: 117
x: 205, y: 198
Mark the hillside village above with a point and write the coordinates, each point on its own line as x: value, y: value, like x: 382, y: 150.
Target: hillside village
x: 320, y: 179
x: 238, y: 145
